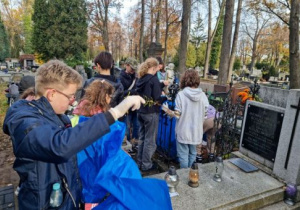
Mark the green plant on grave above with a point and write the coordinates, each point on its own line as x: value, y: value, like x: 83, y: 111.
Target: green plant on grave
x: 150, y: 102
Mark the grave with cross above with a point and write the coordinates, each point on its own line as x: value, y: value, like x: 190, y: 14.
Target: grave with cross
x: 271, y: 136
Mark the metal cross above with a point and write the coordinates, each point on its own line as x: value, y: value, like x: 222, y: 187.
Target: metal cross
x: 293, y: 133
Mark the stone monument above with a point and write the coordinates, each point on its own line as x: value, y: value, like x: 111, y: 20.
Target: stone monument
x: 155, y: 49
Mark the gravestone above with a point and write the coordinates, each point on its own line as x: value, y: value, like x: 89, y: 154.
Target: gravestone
x: 287, y: 162
x: 155, y: 49
x: 221, y: 88
x: 261, y: 131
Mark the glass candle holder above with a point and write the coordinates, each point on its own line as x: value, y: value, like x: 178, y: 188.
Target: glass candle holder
x: 194, y: 176
x: 219, y: 167
x: 290, y: 194
x: 172, y: 179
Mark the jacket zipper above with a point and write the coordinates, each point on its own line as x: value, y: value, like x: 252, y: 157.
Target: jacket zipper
x: 67, y: 188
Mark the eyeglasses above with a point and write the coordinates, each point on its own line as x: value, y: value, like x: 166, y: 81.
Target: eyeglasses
x: 69, y: 97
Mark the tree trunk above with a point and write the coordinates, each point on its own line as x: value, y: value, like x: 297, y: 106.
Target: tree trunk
x: 142, y: 31
x: 235, y: 39
x: 167, y: 30
x: 253, y: 57
x: 294, y: 46
x: 226, y: 42
x: 151, y: 22
x: 157, y: 28
x: 209, y: 41
x: 184, y: 37
x: 105, y: 30
x: 211, y: 36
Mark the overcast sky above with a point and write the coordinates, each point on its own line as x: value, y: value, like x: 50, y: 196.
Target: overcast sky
x: 127, y: 5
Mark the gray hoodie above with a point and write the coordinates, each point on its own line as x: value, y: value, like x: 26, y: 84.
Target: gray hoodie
x: 191, y: 103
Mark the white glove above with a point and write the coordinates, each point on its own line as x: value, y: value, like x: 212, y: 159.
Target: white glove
x: 133, y: 102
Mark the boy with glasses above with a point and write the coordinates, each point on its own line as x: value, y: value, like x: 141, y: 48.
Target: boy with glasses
x: 45, y: 144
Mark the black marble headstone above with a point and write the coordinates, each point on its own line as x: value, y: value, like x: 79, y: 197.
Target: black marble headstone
x: 261, y: 131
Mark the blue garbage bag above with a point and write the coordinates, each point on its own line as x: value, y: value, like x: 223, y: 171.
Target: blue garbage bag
x: 111, y: 177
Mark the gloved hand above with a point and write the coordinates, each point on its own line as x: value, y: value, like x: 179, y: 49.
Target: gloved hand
x: 169, y: 112
x: 133, y: 102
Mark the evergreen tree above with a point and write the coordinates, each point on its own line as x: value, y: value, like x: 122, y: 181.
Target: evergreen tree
x: 197, y: 32
x: 216, y: 46
x: 237, y: 64
x: 200, y: 53
x: 41, y: 23
x: 60, y: 29
x: 4, y: 43
x: 27, y: 24
x: 191, y: 56
x: 197, y: 37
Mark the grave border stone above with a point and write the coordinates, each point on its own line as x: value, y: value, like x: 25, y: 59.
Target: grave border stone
x: 292, y: 173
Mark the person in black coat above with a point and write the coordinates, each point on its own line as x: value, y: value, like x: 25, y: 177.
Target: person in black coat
x: 149, y: 88
x: 128, y: 79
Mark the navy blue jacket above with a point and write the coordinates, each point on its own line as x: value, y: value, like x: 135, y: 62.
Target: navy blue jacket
x: 149, y: 88
x: 45, y: 147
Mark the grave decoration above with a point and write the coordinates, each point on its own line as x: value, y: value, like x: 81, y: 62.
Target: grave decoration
x: 251, y: 94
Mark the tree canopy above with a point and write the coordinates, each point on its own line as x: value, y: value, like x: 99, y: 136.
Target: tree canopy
x: 4, y: 44
x: 62, y: 37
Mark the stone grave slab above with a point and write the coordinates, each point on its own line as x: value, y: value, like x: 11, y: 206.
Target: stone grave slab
x: 238, y: 190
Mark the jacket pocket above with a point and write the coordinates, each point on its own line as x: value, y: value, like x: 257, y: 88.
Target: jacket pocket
x: 64, y: 202
x: 28, y: 198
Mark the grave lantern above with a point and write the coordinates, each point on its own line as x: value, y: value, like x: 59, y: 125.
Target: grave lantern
x: 172, y: 179
x: 194, y: 176
x: 290, y: 194
x: 219, y: 167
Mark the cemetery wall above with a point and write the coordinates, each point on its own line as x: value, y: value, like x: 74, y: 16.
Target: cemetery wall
x: 273, y: 96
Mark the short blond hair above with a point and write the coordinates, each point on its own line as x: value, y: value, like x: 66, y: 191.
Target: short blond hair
x: 149, y: 63
x: 55, y: 74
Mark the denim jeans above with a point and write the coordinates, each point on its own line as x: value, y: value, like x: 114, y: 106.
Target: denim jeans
x: 147, y: 138
x: 186, y: 154
x: 132, y: 122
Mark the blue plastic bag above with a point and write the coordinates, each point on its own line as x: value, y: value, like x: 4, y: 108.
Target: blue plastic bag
x: 105, y: 168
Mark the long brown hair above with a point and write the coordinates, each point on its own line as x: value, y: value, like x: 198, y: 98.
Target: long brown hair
x: 190, y: 78
x: 28, y: 92
x: 95, y: 97
x: 145, y: 66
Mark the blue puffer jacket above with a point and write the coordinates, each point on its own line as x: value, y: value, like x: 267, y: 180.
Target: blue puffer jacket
x: 45, y: 147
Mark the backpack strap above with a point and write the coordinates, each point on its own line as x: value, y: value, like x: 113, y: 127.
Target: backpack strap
x: 132, y: 84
